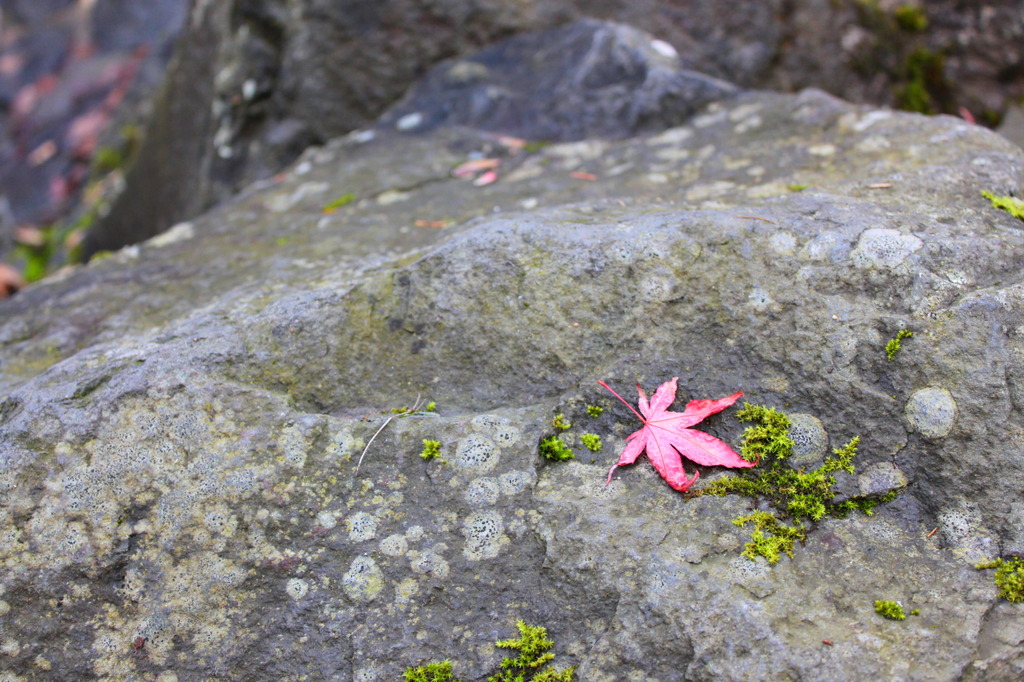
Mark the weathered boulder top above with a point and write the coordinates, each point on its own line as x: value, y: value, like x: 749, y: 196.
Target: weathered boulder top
x: 186, y: 490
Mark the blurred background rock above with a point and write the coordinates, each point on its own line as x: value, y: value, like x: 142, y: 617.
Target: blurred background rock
x: 106, y: 140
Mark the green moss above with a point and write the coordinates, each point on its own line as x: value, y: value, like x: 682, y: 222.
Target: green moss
x: 910, y: 18
x: 799, y: 497
x: 890, y: 610
x: 594, y: 410
x: 555, y: 449
x: 534, y: 647
x: 432, y: 672
x: 534, y: 653
x: 431, y: 449
x: 771, y: 537
x: 1009, y: 578
x: 560, y: 422
x: 796, y: 188
x: 894, y: 345
x: 592, y: 441
x: 1014, y: 207
x: 925, y: 82
x: 335, y: 204
x: 769, y: 437
x: 406, y: 411
x: 915, y: 612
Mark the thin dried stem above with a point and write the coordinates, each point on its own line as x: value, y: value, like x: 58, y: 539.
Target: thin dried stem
x: 411, y: 410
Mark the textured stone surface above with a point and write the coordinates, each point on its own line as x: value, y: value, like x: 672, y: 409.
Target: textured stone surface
x: 182, y: 424
x: 587, y: 79
x: 281, y: 75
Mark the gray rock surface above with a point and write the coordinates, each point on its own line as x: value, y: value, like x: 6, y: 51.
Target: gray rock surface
x: 586, y: 79
x: 181, y: 493
x: 265, y: 79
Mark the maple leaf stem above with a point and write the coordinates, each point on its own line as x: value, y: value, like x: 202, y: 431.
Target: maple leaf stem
x: 638, y: 415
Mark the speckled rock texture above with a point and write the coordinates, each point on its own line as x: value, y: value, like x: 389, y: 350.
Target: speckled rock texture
x: 258, y: 81
x: 188, y: 487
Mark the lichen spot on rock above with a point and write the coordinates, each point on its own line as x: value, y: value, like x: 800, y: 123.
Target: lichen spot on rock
x: 476, y: 452
x: 485, y: 535
x: 361, y: 526
x: 394, y: 545
x: 296, y: 588
x: 363, y: 581
x: 515, y: 482
x: 884, y: 248
x: 499, y: 429
x: 810, y: 441
x: 932, y: 412
x: 293, y: 445
x: 481, y: 492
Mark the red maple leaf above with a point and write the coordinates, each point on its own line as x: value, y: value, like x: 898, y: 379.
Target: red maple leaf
x: 666, y: 436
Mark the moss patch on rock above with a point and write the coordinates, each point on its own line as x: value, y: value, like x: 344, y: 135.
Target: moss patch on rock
x: 1009, y: 578
x: 797, y: 495
x: 534, y: 653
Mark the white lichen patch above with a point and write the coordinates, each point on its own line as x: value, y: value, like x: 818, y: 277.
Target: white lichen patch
x: 431, y: 562
x: 748, y: 124
x: 709, y: 119
x: 476, y: 452
x: 296, y: 588
x: 328, y: 519
x: 363, y: 581
x: 962, y: 529
x: 485, y: 536
x: 822, y: 149
x: 499, y: 429
x: 759, y: 299
x: 880, y: 478
x: 586, y: 150
x: 670, y: 137
x: 822, y: 246
x: 884, y: 248
x: 176, y: 233
x: 392, y: 196
x: 860, y: 122
x: 406, y: 591
x: 342, y: 445
x: 294, y: 443
x: 931, y: 412
x: 810, y: 441
x: 515, y: 482
x: 361, y: 527
x: 736, y: 164
x: 285, y: 201
x: 753, y: 576
x: 394, y: 545
x: 744, y: 111
x: 783, y: 243
x: 414, y: 533
x: 875, y: 143
x: 481, y: 492
x: 672, y: 154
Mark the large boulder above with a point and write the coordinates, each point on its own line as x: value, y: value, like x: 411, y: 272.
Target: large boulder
x: 201, y: 476
x: 257, y: 81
